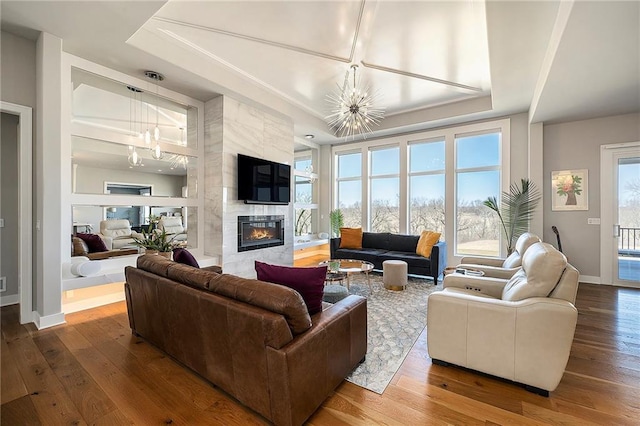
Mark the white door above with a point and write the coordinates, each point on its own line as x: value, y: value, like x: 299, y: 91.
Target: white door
x: 620, y: 210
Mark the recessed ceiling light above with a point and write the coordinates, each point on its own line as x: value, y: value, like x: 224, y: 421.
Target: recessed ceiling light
x: 159, y: 170
x: 309, y: 136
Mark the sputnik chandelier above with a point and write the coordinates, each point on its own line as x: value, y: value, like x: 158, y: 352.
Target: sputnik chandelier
x: 352, y: 109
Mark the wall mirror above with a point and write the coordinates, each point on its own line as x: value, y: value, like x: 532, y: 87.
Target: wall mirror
x: 88, y: 218
x: 123, y: 113
x: 96, y: 163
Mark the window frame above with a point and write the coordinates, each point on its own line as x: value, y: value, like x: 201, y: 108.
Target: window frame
x: 447, y: 134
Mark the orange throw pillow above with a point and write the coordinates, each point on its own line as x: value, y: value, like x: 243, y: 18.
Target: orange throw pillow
x: 351, y: 238
x: 426, y: 242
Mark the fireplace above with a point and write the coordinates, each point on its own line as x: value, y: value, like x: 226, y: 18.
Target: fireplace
x: 256, y: 232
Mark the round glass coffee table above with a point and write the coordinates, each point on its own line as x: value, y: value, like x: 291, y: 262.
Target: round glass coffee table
x: 349, y: 266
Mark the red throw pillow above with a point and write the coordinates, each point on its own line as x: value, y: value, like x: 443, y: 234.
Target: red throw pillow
x: 309, y: 282
x: 183, y: 256
x: 94, y: 242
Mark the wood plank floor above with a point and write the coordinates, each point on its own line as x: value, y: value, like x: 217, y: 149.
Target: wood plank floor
x: 93, y: 371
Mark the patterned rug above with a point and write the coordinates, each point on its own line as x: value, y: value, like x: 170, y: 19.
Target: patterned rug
x: 395, y: 320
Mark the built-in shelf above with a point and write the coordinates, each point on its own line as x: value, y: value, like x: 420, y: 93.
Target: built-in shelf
x: 112, y: 271
x: 310, y: 243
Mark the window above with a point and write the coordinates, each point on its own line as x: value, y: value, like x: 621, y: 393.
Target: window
x: 349, y: 188
x: 477, y: 178
x: 435, y: 180
x: 304, y: 203
x: 384, y: 180
x: 427, y: 187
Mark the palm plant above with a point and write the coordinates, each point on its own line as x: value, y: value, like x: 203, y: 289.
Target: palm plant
x: 515, y: 210
x: 337, y: 221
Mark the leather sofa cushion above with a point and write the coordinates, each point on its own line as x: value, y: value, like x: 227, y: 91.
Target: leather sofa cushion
x: 171, y: 225
x: 79, y: 247
x: 190, y: 276
x: 309, y: 282
x: 273, y: 297
x: 522, y: 244
x: 542, y: 267
x: 407, y: 243
x: 117, y: 228
x: 376, y: 240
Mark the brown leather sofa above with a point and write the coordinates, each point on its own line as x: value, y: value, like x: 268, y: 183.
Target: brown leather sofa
x: 255, y: 340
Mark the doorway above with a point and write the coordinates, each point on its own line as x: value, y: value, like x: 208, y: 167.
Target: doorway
x: 620, y: 211
x: 23, y: 223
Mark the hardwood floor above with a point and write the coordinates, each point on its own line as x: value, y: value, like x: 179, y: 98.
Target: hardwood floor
x: 93, y: 371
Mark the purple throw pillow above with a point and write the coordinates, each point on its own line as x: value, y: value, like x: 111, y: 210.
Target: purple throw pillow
x: 309, y: 282
x: 94, y: 242
x: 183, y: 256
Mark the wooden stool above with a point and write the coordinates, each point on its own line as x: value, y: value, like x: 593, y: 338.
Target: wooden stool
x: 394, y: 274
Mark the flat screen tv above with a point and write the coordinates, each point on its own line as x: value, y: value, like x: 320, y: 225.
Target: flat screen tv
x: 263, y: 181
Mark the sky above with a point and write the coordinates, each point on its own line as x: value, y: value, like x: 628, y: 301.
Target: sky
x: 627, y: 173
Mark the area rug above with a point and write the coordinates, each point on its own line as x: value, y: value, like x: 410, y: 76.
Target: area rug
x: 395, y: 319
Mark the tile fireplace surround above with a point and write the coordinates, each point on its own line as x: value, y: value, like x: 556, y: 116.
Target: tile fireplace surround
x: 256, y: 232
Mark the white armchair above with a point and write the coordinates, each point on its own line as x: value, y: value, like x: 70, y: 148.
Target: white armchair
x: 117, y: 233
x: 519, y: 329
x: 173, y: 227
x: 501, y: 268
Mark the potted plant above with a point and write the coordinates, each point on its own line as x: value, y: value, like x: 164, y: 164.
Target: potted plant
x: 147, y: 242
x: 337, y: 221
x: 515, y: 210
x: 163, y: 243
x: 154, y: 241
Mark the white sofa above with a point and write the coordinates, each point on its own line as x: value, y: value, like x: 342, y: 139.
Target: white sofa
x: 501, y: 268
x: 117, y: 233
x: 519, y: 329
x: 173, y: 227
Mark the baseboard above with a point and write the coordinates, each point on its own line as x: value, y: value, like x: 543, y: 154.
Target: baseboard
x: 93, y: 302
x: 48, y: 320
x: 590, y: 279
x: 10, y: 299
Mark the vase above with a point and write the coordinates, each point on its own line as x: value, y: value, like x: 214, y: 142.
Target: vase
x: 571, y: 199
x: 166, y: 254
x: 150, y: 251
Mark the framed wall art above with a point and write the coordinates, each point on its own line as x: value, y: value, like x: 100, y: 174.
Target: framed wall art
x: 570, y: 190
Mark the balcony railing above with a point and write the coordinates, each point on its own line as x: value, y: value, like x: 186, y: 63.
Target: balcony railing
x: 629, y: 242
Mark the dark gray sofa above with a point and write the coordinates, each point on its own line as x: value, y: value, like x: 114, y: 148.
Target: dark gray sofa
x: 378, y: 247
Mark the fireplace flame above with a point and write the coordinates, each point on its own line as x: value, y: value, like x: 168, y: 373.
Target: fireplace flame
x: 260, y: 234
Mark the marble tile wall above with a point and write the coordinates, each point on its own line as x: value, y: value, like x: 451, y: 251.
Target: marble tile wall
x: 232, y: 127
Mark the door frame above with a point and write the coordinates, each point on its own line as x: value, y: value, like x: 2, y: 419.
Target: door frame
x: 607, y: 201
x: 25, y: 211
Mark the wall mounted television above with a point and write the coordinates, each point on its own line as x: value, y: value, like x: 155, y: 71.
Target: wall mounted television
x: 263, y: 181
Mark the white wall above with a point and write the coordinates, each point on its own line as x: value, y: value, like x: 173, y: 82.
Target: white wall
x: 233, y: 128
x: 48, y: 181
x: 18, y: 86
x: 576, y: 145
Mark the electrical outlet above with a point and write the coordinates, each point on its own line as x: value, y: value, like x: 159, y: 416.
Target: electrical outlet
x: 593, y: 221
x: 3, y: 284
x: 1, y: 223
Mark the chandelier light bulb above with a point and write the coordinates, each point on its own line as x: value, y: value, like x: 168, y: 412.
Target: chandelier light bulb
x: 147, y: 137
x: 156, y: 152
x: 156, y: 133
